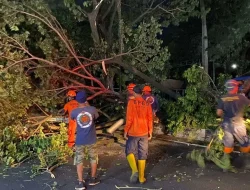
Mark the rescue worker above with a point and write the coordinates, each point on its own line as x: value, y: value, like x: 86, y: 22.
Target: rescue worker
x: 147, y: 95
x: 84, y: 116
x: 68, y: 107
x: 137, y: 132
x: 130, y: 91
x: 231, y: 108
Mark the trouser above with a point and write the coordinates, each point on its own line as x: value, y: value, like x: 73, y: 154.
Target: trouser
x: 71, y: 133
x: 137, y: 146
x: 235, y: 127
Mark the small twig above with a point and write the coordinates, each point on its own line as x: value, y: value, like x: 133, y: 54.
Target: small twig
x: 41, y: 109
x: 53, y: 167
x: 44, y: 120
x: 19, y: 163
x: 191, y: 144
x: 39, y: 125
x: 169, y: 12
x: 103, y: 113
x: 51, y: 174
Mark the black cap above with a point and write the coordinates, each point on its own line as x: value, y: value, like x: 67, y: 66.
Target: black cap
x: 137, y: 90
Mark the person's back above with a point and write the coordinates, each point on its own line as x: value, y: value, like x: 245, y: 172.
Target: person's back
x: 231, y: 108
x: 139, y: 114
x: 68, y: 107
x: 137, y: 132
x: 233, y: 105
x: 85, y: 117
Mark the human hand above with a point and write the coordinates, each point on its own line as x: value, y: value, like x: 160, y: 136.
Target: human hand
x: 125, y: 136
x: 149, y: 136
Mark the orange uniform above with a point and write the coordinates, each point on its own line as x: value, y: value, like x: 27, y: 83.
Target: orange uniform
x: 72, y: 104
x: 139, y: 119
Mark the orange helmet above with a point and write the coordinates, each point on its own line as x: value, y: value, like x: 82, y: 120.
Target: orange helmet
x: 131, y: 86
x: 71, y: 93
x: 147, y: 89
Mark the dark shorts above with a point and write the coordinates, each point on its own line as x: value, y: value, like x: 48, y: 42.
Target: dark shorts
x: 87, y: 152
x: 137, y: 146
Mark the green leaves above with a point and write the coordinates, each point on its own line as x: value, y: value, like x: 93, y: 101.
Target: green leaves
x: 87, y: 3
x: 195, y: 110
x: 77, y: 11
x: 149, y: 56
x: 14, y: 28
x: 48, y: 149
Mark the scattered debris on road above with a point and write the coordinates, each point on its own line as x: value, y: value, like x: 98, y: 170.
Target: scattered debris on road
x: 127, y: 187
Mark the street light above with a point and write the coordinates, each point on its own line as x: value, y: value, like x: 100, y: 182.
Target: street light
x: 234, y: 66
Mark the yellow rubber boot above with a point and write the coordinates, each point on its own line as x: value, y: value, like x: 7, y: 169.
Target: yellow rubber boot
x: 133, y: 166
x: 141, y: 167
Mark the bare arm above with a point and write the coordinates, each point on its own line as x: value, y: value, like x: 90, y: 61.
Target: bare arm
x: 219, y: 112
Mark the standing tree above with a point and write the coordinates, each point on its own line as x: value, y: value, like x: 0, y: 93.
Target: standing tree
x: 204, y: 36
x: 133, y: 29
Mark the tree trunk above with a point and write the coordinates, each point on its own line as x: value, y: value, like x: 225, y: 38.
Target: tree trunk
x: 204, y: 36
x: 93, y: 25
x: 145, y: 77
x: 119, y: 12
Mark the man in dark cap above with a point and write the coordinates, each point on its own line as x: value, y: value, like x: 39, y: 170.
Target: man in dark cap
x: 85, y: 116
x: 137, y: 132
x: 231, y: 108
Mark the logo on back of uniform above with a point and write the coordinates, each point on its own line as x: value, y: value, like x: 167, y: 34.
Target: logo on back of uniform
x: 230, y: 99
x: 84, y: 119
x: 150, y: 100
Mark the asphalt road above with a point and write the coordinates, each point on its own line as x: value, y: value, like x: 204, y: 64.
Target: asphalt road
x: 167, y: 169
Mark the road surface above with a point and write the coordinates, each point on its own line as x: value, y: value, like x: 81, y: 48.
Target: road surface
x: 167, y: 169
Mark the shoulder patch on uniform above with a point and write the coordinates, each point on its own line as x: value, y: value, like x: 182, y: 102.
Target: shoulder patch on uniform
x: 150, y: 99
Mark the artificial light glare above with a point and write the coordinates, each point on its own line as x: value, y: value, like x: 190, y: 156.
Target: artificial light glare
x: 234, y: 66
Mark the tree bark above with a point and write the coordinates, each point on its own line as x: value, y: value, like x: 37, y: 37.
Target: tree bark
x: 119, y: 12
x: 93, y: 25
x: 204, y: 36
x: 145, y: 77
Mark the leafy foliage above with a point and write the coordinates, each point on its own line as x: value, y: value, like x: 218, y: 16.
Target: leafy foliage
x: 221, y: 80
x: 197, y: 108
x: 14, y: 90
x: 49, y: 150
x: 52, y: 150
x: 149, y: 56
x: 17, y: 96
x: 214, y: 153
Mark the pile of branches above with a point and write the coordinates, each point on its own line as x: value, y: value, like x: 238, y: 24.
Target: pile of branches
x: 213, y: 152
x: 18, y: 145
